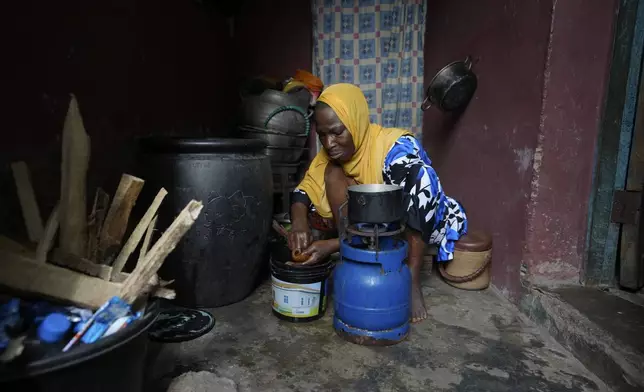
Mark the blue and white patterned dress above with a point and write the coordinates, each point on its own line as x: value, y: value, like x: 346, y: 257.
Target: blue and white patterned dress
x: 440, y: 219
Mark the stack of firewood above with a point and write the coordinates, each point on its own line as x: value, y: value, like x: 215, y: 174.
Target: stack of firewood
x: 86, y: 268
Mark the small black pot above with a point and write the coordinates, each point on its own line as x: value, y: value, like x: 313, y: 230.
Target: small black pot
x: 452, y: 87
x: 375, y: 203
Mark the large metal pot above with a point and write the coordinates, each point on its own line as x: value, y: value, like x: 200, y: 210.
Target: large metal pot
x: 375, y: 203
x: 274, y: 138
x: 284, y: 154
x: 256, y: 109
x: 452, y: 87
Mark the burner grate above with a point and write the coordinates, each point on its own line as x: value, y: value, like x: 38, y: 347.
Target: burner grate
x: 372, y: 233
x: 375, y: 230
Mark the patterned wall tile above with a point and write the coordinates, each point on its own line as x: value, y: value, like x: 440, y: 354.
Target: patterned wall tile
x: 378, y: 45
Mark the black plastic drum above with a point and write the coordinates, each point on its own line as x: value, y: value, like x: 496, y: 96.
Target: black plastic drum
x: 219, y: 260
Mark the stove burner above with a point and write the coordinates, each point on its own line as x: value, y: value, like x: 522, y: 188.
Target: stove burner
x: 371, y: 228
x: 370, y: 235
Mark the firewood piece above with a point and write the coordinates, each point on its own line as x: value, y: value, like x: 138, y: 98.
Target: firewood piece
x: 154, y: 280
x: 138, y: 232
x: 148, y: 238
x: 120, y: 277
x: 117, y: 217
x: 79, y: 264
x: 27, y: 198
x: 9, y: 245
x: 156, y: 288
x: 75, y: 160
x: 161, y: 292
x: 47, y: 239
x: 95, y: 222
x: 24, y: 274
x: 146, y: 269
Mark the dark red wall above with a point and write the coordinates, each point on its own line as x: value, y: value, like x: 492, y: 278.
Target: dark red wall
x: 273, y: 38
x: 577, y: 71
x: 484, y: 158
x: 138, y: 67
x: 539, y: 95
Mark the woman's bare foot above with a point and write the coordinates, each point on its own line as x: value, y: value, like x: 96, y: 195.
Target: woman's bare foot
x: 418, y: 310
x: 415, y: 260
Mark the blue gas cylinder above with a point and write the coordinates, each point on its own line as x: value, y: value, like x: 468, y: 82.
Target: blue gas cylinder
x: 372, y: 293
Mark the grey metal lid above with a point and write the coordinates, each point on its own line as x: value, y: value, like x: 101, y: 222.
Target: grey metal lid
x: 201, y: 145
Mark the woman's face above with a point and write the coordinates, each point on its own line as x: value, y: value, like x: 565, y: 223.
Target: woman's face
x: 334, y: 136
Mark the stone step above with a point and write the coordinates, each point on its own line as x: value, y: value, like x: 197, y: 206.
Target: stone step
x: 603, y: 329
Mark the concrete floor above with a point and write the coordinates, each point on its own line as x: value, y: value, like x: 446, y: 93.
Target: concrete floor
x: 472, y: 341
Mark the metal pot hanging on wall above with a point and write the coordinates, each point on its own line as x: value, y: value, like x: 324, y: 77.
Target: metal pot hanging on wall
x: 452, y: 87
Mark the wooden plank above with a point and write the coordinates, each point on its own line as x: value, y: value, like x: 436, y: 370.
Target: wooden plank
x: 28, y: 203
x: 631, y: 268
x: 145, y: 270
x: 24, y: 274
x: 47, y: 240
x: 79, y: 264
x: 138, y: 232
x: 75, y: 160
x: 95, y: 222
x: 117, y: 217
x: 603, y: 234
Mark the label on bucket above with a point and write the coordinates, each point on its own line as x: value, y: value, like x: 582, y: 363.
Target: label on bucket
x: 296, y: 299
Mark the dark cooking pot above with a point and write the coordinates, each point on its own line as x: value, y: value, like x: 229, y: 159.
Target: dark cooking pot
x: 262, y: 111
x: 375, y: 203
x: 452, y: 87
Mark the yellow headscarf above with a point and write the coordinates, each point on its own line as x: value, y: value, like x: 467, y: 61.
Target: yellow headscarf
x: 372, y: 142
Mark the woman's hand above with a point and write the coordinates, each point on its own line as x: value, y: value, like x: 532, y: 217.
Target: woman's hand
x: 320, y: 250
x: 299, y: 239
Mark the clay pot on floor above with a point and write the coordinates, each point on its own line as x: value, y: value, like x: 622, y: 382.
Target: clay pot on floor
x: 470, y: 269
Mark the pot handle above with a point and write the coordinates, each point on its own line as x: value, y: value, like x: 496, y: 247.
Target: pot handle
x: 426, y: 103
x: 468, y: 63
x: 307, y: 117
